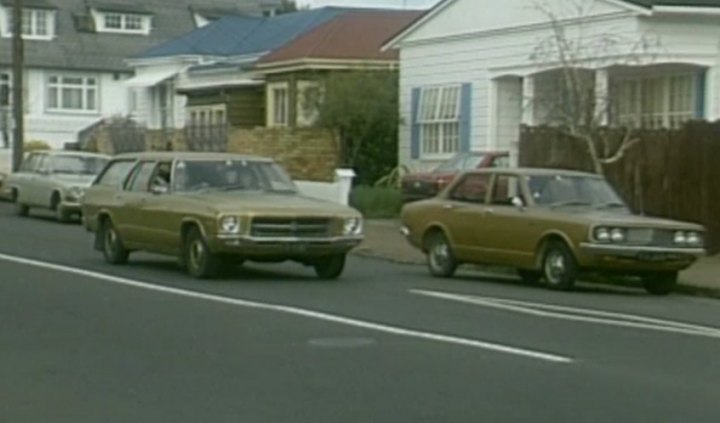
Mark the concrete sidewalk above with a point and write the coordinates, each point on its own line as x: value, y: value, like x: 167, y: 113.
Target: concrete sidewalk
x: 383, y: 240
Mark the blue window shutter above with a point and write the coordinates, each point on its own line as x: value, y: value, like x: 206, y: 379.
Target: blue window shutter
x: 700, y: 94
x: 465, y: 116
x: 414, y: 126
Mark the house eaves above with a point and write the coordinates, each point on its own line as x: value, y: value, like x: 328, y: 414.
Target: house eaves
x: 326, y: 64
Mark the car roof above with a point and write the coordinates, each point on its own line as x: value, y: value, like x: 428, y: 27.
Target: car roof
x: 190, y: 155
x: 535, y: 171
x: 69, y: 153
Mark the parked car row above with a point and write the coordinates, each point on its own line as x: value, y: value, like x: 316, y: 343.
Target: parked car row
x: 213, y: 209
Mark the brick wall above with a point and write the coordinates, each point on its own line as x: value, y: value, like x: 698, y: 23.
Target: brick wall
x: 308, y: 154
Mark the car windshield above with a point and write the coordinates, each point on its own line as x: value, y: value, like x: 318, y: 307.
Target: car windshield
x: 561, y: 190
x: 460, y: 162
x: 78, y: 165
x: 235, y: 175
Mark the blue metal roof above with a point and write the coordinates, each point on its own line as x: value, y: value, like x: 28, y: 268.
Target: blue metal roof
x: 243, y: 35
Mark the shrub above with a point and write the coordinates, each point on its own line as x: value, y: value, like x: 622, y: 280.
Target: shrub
x: 376, y: 202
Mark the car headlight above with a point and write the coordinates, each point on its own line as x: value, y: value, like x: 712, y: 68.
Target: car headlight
x: 230, y: 225
x: 74, y: 194
x: 352, y: 226
x: 693, y: 239
x: 602, y: 234
x: 679, y: 237
x: 617, y: 235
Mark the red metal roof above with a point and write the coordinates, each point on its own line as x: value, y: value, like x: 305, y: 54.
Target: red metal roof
x: 357, y: 35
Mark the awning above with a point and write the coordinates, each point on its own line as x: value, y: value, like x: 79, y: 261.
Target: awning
x: 150, y: 78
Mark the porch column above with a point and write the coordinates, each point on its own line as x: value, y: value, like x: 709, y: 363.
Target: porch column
x: 712, y: 109
x: 602, y: 96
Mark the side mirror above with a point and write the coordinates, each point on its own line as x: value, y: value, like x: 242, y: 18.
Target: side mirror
x: 518, y: 202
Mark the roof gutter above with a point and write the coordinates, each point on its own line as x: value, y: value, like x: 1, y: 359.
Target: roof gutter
x: 686, y: 10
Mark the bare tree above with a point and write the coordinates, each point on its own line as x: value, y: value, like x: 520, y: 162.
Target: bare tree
x: 571, y: 55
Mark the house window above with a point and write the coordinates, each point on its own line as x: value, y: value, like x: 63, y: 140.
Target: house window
x: 206, y: 115
x: 72, y: 93
x: 124, y: 22
x: 439, y: 120
x: 36, y: 23
x: 656, y: 102
x: 278, y: 104
x: 309, y: 94
x: 4, y: 89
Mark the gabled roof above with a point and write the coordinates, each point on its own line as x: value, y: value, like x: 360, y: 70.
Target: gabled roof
x: 239, y: 36
x: 78, y: 47
x: 647, y: 4
x: 355, y: 35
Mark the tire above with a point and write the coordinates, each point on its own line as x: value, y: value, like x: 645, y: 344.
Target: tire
x: 200, y: 262
x: 660, y: 283
x: 440, y: 258
x: 529, y: 276
x: 113, y: 249
x: 330, y: 268
x: 61, y: 215
x: 559, y: 266
x: 20, y: 209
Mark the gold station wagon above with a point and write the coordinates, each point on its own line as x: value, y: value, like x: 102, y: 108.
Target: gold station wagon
x: 214, y: 209
x: 550, y: 224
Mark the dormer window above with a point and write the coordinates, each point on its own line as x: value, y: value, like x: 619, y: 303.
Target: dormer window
x: 37, y: 24
x: 122, y: 22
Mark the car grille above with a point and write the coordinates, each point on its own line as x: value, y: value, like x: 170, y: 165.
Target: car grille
x: 296, y: 227
x: 648, y: 236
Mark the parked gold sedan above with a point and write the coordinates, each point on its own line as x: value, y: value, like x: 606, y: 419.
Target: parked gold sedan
x: 550, y: 224
x: 212, y: 209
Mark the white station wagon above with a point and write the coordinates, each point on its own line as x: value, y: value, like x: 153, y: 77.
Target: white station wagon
x: 54, y: 180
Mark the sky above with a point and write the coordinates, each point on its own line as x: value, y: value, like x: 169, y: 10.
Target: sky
x: 400, y: 4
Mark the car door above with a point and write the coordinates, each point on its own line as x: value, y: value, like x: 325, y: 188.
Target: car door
x: 106, y: 190
x: 464, y: 215
x: 129, y: 215
x: 22, y: 180
x: 510, y: 234
x: 159, y: 227
x: 44, y: 184
x: 35, y: 180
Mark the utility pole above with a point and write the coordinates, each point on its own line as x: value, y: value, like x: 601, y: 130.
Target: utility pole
x: 17, y: 86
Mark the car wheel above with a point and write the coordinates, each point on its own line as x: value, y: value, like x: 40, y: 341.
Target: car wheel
x: 440, y: 259
x: 559, y: 266
x: 529, y: 276
x: 61, y: 215
x: 200, y: 262
x: 20, y: 209
x: 330, y: 267
x: 661, y: 283
x: 112, y: 247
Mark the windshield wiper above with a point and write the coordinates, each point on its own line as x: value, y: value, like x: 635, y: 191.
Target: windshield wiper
x: 610, y: 205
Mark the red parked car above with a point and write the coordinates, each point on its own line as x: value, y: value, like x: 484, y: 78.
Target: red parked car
x: 417, y: 186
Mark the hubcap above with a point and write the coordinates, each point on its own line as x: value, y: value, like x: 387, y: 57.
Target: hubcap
x: 555, y: 266
x: 197, y: 252
x: 440, y: 254
x: 110, y: 240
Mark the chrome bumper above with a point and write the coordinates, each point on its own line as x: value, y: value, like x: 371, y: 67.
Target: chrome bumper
x: 640, y: 251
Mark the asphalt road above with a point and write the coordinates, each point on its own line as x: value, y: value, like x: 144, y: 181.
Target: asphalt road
x: 82, y: 341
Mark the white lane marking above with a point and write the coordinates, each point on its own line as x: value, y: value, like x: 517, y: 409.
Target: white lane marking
x: 582, y: 315
x: 378, y: 327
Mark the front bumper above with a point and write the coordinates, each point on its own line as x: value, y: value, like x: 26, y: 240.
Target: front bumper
x: 71, y: 207
x: 285, y: 247
x: 641, y: 258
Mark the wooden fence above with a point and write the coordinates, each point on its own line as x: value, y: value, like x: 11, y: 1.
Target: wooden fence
x: 668, y: 173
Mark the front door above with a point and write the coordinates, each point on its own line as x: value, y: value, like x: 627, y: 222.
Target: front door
x: 464, y: 215
x: 129, y: 215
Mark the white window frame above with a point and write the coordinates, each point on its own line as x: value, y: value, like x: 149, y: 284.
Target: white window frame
x: 33, y: 19
x: 632, y: 109
x: 60, y: 83
x: 438, y: 120
x: 124, y: 19
x: 278, y: 116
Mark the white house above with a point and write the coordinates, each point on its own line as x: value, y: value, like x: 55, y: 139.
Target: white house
x: 75, y: 49
x: 471, y: 75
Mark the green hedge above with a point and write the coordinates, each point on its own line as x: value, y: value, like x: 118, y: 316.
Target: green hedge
x: 376, y: 202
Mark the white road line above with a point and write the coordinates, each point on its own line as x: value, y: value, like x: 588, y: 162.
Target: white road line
x: 581, y: 315
x: 378, y: 327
